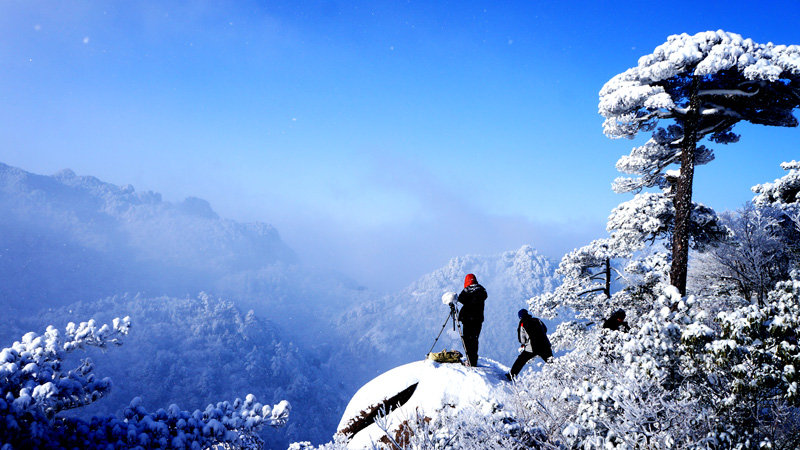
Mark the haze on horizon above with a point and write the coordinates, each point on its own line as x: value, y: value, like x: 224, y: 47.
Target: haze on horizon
x: 380, y: 138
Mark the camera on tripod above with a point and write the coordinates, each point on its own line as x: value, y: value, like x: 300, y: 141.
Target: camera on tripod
x: 449, y: 298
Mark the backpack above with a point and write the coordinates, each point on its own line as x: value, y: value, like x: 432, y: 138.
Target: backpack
x: 445, y: 356
x: 534, y: 327
x: 537, y: 332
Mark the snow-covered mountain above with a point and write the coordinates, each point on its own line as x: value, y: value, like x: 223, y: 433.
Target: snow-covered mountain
x: 65, y: 238
x: 71, y: 247
x: 401, y: 327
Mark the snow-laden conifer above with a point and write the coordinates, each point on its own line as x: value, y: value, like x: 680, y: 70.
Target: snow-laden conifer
x: 689, y: 89
x: 783, y: 193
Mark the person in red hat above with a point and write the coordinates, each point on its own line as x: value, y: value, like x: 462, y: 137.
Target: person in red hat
x: 471, y: 316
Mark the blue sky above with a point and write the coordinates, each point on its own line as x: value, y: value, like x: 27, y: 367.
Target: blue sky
x: 380, y: 138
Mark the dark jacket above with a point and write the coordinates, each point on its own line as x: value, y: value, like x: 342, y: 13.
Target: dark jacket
x: 532, y: 334
x: 472, y: 297
x: 617, y: 322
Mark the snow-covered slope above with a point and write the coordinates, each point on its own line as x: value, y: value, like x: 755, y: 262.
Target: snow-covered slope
x: 421, y: 389
x: 400, y: 328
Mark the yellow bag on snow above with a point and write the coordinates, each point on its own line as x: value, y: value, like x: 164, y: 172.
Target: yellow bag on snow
x: 446, y: 356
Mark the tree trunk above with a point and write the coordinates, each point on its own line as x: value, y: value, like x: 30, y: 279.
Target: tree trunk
x: 607, y: 289
x: 683, y: 193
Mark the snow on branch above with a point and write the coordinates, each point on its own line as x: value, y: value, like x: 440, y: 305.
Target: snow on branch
x: 726, y: 92
x: 784, y: 192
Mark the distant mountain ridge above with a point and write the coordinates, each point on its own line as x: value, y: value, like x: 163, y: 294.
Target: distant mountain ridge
x: 402, y: 326
x: 82, y: 238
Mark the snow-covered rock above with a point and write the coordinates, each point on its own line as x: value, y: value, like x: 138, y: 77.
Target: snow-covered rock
x: 420, y: 389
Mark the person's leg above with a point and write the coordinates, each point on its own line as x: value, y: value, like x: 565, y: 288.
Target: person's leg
x: 469, y: 340
x: 477, y: 332
x: 470, y: 335
x: 523, y: 358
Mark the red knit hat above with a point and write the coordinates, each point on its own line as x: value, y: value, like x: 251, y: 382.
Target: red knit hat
x: 470, y: 279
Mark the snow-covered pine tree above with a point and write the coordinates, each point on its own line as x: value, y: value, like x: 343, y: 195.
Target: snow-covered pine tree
x: 691, y: 88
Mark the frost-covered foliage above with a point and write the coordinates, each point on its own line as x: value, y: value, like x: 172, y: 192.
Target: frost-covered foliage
x: 588, y: 274
x: 630, y: 256
x: 783, y: 194
x: 591, y: 273
x: 755, y: 361
x: 35, y: 388
x: 33, y: 381
x: 682, y: 378
x: 650, y: 217
x: 759, y: 252
x: 195, y: 351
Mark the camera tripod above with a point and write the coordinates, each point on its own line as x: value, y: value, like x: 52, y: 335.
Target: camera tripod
x: 452, y: 315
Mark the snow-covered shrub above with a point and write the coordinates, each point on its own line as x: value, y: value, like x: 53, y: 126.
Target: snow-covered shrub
x: 754, y: 362
x: 682, y: 378
x: 35, y: 387
x: 783, y: 195
x: 756, y: 255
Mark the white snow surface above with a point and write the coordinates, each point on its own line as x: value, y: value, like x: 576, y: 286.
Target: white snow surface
x: 441, y: 386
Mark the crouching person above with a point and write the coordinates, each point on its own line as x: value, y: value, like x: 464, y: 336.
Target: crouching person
x: 617, y: 321
x: 532, y: 335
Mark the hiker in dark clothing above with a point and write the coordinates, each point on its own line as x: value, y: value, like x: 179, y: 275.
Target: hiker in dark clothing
x: 471, y: 316
x: 532, y: 335
x: 617, y: 321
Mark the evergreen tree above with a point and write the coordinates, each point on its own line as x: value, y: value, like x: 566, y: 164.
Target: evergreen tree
x: 691, y: 88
